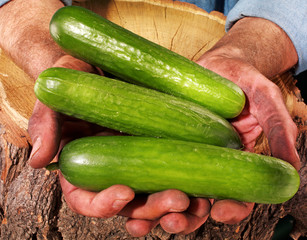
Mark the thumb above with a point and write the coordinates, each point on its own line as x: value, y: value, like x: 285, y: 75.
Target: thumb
x: 276, y: 123
x: 282, y: 136
x: 44, y: 125
x: 44, y: 130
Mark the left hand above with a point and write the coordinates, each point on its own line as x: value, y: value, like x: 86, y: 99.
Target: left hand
x: 265, y: 111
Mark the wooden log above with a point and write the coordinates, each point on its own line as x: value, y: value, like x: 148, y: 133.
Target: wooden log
x: 31, y: 202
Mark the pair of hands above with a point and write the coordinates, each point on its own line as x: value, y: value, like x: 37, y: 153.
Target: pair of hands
x: 172, y: 209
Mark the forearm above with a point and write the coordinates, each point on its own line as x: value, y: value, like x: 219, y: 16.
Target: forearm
x: 24, y: 28
x: 259, y: 42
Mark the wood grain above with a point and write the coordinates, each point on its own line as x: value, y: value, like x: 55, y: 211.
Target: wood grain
x: 17, y: 100
x: 178, y: 26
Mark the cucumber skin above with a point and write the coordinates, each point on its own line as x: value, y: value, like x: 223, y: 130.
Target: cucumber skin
x: 131, y: 109
x: 150, y: 165
x: 96, y: 40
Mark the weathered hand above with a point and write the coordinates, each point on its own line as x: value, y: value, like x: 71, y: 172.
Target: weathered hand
x: 265, y: 111
x: 50, y: 131
x: 172, y: 209
x: 48, y: 128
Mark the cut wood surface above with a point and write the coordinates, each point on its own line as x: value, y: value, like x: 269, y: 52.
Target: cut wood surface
x: 178, y: 26
x: 31, y: 203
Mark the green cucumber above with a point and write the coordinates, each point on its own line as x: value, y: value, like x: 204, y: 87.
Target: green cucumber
x: 94, y: 39
x: 130, y: 108
x: 150, y: 165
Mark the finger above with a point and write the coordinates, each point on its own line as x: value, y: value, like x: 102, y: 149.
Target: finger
x: 199, y: 207
x: 104, y: 204
x: 68, y: 61
x: 156, y: 205
x: 230, y: 211
x: 188, y: 221
x: 181, y: 223
x: 244, y: 123
x: 277, y: 124
x: 140, y: 227
x: 249, y: 139
x: 282, y: 140
x: 249, y: 129
x: 44, y: 130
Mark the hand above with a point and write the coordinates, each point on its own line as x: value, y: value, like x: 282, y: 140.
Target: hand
x: 265, y: 111
x: 49, y: 130
x: 172, y: 209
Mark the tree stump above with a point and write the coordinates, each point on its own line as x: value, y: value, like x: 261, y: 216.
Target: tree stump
x: 31, y: 202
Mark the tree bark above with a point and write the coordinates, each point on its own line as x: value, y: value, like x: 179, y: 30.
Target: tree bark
x: 31, y: 202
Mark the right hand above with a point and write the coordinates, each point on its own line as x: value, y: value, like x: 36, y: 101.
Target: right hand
x: 172, y: 209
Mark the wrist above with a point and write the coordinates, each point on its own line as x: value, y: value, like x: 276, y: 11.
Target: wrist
x: 260, y: 43
x: 24, y: 27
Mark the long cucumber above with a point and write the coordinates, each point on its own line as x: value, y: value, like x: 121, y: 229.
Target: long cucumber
x: 131, y: 109
x: 149, y: 165
x: 94, y: 39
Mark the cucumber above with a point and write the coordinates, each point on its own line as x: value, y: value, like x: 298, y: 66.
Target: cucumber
x: 90, y: 37
x: 130, y: 108
x: 150, y: 165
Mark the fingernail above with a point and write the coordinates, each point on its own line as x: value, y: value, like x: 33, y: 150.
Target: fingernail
x: 35, y: 148
x: 119, y: 204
